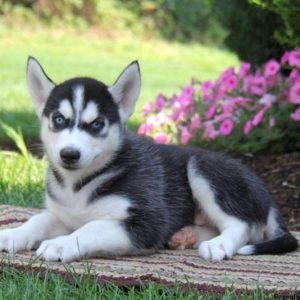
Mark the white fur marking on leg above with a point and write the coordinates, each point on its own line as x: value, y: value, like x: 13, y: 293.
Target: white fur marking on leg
x: 103, y: 237
x: 234, y: 232
x: 27, y: 236
x: 272, y: 224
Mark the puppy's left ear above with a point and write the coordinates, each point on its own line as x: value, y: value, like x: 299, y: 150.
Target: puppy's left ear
x: 39, y: 84
x: 125, y: 91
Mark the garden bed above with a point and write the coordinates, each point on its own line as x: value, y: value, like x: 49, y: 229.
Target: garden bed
x: 282, y: 175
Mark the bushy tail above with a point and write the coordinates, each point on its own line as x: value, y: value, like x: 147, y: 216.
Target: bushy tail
x: 285, y: 242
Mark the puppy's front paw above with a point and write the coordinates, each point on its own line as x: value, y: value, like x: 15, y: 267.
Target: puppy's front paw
x: 216, y: 249
x: 16, y: 240
x: 63, y: 248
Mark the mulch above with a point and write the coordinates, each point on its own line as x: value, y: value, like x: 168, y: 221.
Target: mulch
x: 281, y: 173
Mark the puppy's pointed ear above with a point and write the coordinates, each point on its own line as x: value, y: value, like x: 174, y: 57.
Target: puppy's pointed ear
x: 39, y: 84
x: 126, y: 90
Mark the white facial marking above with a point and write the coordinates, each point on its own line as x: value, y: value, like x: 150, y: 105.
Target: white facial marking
x: 90, y: 113
x: 65, y: 109
x: 78, y: 94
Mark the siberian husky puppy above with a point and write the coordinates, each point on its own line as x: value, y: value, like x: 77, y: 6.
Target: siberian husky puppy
x: 110, y: 192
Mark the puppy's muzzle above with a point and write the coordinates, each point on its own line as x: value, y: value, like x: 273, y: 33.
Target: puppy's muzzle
x: 69, y: 156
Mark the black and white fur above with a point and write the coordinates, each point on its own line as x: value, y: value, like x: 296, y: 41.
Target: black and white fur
x: 110, y: 192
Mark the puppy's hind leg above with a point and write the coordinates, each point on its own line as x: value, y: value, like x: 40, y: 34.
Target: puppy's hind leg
x: 234, y: 233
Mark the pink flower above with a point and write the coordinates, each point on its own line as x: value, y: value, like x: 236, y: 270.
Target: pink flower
x: 195, y: 123
x: 221, y: 117
x: 226, y: 127
x: 247, y: 84
x: 229, y: 105
x: 161, y: 138
x: 260, y: 115
x: 244, y: 69
x: 179, y: 116
x: 294, y: 58
x: 145, y: 129
x: 272, y: 68
x: 285, y: 58
x: 272, y: 81
x: 240, y: 101
x: 211, y: 111
x: 231, y: 82
x: 227, y: 73
x: 294, y: 75
x: 160, y: 102
x: 206, y: 86
x: 147, y: 109
x: 258, y: 85
x: 220, y: 93
x: 186, y: 135
x: 294, y: 94
x: 248, y: 127
x: 210, y: 133
x: 188, y: 91
x: 296, y: 115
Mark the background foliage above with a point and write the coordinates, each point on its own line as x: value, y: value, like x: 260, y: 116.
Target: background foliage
x: 256, y: 30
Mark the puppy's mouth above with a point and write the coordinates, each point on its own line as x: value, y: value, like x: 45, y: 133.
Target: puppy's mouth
x: 70, y: 167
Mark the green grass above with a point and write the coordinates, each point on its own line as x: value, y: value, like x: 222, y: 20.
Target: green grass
x: 21, y: 180
x: 26, y: 284
x: 165, y: 66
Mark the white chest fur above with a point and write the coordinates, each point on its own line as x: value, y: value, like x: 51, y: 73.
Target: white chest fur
x: 74, y: 209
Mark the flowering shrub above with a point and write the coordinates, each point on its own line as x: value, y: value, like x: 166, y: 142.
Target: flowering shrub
x: 238, y: 104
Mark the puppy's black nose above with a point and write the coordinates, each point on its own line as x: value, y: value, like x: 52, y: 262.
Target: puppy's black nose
x: 69, y: 155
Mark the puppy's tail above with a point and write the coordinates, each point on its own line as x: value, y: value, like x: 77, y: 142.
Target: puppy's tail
x: 285, y: 242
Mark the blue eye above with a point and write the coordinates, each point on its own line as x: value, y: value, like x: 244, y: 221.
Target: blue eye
x: 97, y: 124
x: 59, y: 120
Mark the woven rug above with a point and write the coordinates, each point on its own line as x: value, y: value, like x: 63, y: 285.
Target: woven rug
x: 277, y: 273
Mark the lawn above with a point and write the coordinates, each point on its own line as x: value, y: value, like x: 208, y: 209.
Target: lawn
x: 165, y: 66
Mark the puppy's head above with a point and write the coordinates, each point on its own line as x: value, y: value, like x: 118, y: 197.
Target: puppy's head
x: 82, y: 118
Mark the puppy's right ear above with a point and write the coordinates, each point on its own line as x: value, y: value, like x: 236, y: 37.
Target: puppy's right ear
x: 39, y: 84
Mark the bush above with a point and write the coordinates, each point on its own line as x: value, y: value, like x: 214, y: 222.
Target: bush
x: 251, y: 30
x: 244, y: 111
x: 288, y: 11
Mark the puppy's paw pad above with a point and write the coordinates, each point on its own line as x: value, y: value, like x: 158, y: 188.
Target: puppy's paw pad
x: 216, y: 250
x: 186, y: 238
